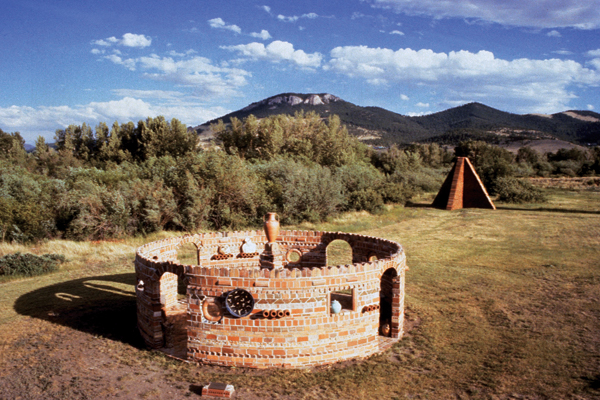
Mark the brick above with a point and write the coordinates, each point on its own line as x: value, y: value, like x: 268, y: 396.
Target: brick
x: 310, y: 335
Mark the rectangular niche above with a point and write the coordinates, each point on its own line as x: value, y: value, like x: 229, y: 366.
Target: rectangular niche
x: 346, y: 297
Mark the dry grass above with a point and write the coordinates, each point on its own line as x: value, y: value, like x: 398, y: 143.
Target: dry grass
x: 505, y: 303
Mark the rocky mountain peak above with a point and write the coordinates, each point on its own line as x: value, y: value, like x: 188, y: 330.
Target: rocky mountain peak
x: 294, y: 100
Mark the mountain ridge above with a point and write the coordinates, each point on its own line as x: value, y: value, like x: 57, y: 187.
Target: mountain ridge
x: 378, y: 126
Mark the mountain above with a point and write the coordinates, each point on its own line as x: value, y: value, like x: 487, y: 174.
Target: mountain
x: 378, y: 126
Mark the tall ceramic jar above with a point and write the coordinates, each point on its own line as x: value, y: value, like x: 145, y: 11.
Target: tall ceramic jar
x: 271, y: 227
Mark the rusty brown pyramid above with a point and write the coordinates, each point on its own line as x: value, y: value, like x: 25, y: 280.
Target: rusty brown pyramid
x: 462, y: 189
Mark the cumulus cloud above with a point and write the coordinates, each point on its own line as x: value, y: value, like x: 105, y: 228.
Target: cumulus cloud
x: 218, y: 23
x: 396, y: 32
x: 297, y: 17
x: 554, y: 33
x: 35, y: 121
x: 128, y: 63
x: 593, y: 53
x: 128, y: 40
x: 198, y: 73
x: 530, y: 85
x: 590, y: 107
x: 595, y: 62
x: 404, y: 97
x: 549, y: 14
x: 277, y: 51
x: 422, y: 105
x: 132, y: 40
x: 264, y: 35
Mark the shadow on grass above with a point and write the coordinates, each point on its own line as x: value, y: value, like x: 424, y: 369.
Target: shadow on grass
x: 101, y: 305
x: 544, y: 209
x: 410, y: 204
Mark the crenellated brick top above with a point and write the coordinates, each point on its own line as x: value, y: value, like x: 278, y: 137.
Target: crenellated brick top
x: 163, y: 253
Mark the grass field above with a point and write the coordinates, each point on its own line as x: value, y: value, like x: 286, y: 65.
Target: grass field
x: 501, y: 304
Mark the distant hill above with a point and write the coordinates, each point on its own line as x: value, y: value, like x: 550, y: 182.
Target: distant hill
x: 378, y: 126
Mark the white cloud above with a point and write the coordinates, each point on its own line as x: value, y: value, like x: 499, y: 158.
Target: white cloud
x: 563, y: 52
x: 528, y: 85
x: 422, y: 105
x: 35, y: 121
x: 297, y: 17
x: 549, y: 14
x: 198, y: 73
x: 133, y: 40
x: 128, y: 40
x: 593, y: 53
x: 396, y: 32
x: 97, y: 51
x: 220, y: 24
x: 266, y: 8
x: 554, y: 33
x: 128, y: 63
x: 404, y: 97
x: 277, y: 51
x: 149, y: 94
x: 590, y: 107
x: 595, y: 63
x: 264, y: 35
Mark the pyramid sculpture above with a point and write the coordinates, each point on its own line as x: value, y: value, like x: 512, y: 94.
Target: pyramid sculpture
x: 462, y: 189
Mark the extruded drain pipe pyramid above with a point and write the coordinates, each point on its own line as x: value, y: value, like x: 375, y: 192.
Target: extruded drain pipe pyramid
x: 463, y: 189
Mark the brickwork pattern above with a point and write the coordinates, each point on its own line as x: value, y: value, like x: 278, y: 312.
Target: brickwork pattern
x: 307, y: 333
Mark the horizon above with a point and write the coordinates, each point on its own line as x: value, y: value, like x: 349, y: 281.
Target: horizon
x: 69, y: 63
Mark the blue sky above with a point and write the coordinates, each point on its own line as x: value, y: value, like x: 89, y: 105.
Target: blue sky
x: 69, y: 62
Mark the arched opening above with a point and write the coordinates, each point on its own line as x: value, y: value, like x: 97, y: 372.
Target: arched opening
x: 168, y: 289
x: 386, y: 295
x: 174, y: 313
x: 187, y: 254
x: 339, y: 252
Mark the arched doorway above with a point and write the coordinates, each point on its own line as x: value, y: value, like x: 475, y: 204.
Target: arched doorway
x: 386, y: 301
x: 174, y: 314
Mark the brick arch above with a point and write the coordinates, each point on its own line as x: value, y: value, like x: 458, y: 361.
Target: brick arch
x: 172, y: 267
x: 195, y: 239
x: 352, y: 251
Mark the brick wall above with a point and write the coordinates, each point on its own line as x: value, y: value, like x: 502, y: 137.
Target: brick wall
x: 311, y: 334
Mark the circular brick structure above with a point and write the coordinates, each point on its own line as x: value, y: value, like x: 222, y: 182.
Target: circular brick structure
x: 279, y: 296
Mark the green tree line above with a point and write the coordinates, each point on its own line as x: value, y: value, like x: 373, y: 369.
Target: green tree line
x: 133, y: 179
x: 140, y: 178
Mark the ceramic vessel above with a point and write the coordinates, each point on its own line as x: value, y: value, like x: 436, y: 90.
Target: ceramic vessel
x: 336, y: 307
x: 249, y: 246
x: 271, y: 227
x: 386, y: 329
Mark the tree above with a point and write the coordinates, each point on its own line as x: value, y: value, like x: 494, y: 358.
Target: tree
x: 303, y: 137
x: 490, y: 162
x: 158, y: 137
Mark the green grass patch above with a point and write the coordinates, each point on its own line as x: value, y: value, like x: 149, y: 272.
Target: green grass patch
x: 501, y: 304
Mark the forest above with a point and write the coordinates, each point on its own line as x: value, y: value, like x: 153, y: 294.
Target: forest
x: 135, y: 179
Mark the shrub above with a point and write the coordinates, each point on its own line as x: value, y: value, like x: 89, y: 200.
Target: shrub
x: 29, y: 264
x: 301, y: 192
x: 513, y: 190
x: 362, y: 184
